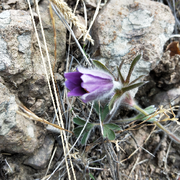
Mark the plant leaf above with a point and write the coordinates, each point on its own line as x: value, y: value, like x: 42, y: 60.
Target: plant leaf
x: 108, y: 133
x: 103, y: 110
x: 96, y: 107
x: 120, y: 76
x: 101, y: 66
x: 104, y: 113
x: 137, y: 79
x: 134, y: 62
x: 89, y: 126
x: 79, y: 121
x: 91, y: 176
x: 149, y: 110
x: 113, y: 126
x: 120, y: 66
x: 85, y: 138
x: 77, y: 131
x: 132, y: 86
x: 111, y: 135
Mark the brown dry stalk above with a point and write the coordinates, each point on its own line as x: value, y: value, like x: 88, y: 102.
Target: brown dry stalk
x: 69, y: 15
x: 30, y: 115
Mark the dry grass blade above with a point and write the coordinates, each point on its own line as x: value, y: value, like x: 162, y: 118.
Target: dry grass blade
x: 30, y: 115
x: 55, y: 44
x: 62, y: 18
x: 69, y: 15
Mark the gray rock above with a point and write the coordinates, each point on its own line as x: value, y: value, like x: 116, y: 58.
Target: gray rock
x: 4, y: 18
x: 42, y: 156
x: 21, y: 66
x: 124, y: 29
x: 49, y: 32
x: 17, y: 134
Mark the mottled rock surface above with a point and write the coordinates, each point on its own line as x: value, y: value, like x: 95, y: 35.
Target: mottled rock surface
x: 21, y: 66
x: 17, y: 134
x: 124, y: 29
x: 164, y: 83
x: 40, y: 159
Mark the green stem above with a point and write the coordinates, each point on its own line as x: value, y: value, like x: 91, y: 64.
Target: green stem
x: 140, y: 110
x: 125, y: 120
x: 171, y: 135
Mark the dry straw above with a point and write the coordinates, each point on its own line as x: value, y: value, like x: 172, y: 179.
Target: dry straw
x: 69, y: 15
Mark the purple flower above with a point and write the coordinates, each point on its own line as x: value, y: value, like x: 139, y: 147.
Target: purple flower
x: 89, y: 84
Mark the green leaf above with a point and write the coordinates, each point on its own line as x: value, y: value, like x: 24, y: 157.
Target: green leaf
x: 77, y: 131
x: 79, y: 121
x: 134, y: 62
x: 113, y: 126
x: 91, y: 176
x: 104, y: 113
x: 105, y: 131
x: 101, y: 66
x: 111, y: 135
x: 96, y: 107
x: 132, y: 86
x: 120, y: 76
x: 149, y: 110
x: 137, y: 79
x: 103, y: 110
x: 89, y: 126
x: 120, y: 66
x: 108, y: 133
x: 85, y: 138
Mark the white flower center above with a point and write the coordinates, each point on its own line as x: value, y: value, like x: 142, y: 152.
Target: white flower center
x: 117, y: 85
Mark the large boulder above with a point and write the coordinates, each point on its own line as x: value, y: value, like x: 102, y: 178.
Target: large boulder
x: 124, y: 29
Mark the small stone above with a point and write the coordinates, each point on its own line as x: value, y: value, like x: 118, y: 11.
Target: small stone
x: 17, y: 134
x: 6, y: 6
x: 41, y: 158
x: 58, y: 77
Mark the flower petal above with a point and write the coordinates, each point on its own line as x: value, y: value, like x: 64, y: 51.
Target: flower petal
x: 78, y: 91
x: 95, y: 72
x: 74, y: 77
x: 91, y: 83
x: 102, y: 91
x: 70, y: 85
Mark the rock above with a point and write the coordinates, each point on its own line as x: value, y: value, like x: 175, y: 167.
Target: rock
x: 17, y: 134
x: 164, y: 83
x: 21, y: 66
x: 49, y: 32
x: 6, y: 6
x: 15, y: 38
x: 166, y: 73
x: 40, y: 159
x: 165, y: 97
x: 124, y: 29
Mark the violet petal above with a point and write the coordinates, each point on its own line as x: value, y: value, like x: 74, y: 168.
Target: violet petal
x: 91, y: 83
x: 98, y: 93
x: 73, y: 77
x: 95, y: 72
x: 70, y: 85
x: 78, y: 91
